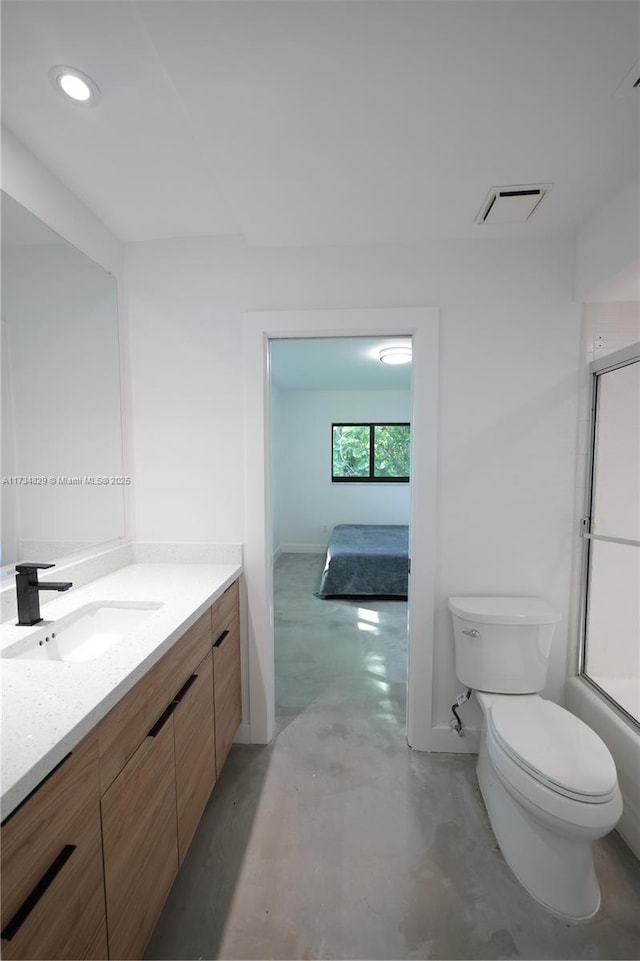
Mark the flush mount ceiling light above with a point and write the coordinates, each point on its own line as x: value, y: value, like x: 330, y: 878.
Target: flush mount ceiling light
x: 400, y: 354
x: 511, y: 205
x: 75, y: 85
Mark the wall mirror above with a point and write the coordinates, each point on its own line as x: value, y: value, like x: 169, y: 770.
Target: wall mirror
x: 62, y: 465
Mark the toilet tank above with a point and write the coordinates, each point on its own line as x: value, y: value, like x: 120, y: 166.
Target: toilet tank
x: 502, y: 644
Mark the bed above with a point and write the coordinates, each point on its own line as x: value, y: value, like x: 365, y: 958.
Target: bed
x: 366, y: 560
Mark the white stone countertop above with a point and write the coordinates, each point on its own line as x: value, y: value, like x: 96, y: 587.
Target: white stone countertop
x: 49, y: 706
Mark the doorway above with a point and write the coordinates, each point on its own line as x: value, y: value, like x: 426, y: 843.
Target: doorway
x: 327, y: 470
x: 421, y: 325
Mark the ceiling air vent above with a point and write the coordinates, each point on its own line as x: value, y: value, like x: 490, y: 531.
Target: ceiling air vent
x: 511, y: 205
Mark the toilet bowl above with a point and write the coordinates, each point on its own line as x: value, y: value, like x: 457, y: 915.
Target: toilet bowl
x: 548, y: 781
x: 550, y: 788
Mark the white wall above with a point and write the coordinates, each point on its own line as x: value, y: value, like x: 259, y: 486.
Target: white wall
x: 184, y: 304
x: 608, y: 247
x: 306, y: 502
x: 509, y: 359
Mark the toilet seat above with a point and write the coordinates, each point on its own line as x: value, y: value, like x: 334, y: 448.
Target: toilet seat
x: 554, y: 747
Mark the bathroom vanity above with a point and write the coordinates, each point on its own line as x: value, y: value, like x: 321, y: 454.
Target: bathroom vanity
x: 123, y: 773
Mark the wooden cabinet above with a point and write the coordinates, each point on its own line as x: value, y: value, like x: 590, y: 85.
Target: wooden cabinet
x: 194, y: 751
x: 226, y: 673
x: 139, y: 778
x: 225, y: 610
x: 157, y: 750
x: 52, y: 882
x: 113, y: 823
x: 140, y: 841
x: 126, y: 724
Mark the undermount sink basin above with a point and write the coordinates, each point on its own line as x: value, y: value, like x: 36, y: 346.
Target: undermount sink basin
x: 85, y: 634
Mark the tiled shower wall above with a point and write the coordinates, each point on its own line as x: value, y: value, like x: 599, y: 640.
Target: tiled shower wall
x: 609, y: 327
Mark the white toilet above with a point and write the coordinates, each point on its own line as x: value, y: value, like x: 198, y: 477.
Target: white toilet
x: 548, y: 781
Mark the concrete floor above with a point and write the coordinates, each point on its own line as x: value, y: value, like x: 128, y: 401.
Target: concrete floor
x: 337, y: 841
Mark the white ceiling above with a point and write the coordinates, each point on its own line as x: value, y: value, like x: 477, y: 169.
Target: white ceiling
x: 336, y: 363
x: 327, y: 122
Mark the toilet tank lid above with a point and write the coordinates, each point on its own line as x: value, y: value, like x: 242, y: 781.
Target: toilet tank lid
x: 504, y: 610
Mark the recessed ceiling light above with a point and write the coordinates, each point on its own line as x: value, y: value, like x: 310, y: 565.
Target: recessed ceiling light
x: 75, y: 85
x: 395, y: 355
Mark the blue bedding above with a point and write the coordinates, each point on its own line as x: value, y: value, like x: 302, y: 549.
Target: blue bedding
x: 369, y: 560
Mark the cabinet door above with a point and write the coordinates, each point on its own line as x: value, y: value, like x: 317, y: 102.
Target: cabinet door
x: 227, y: 690
x: 195, y: 750
x: 225, y: 609
x: 125, y: 726
x: 140, y: 841
x: 52, y: 887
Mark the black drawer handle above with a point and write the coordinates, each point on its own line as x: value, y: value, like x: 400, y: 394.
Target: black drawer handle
x: 221, y: 639
x: 162, y: 720
x: 185, y: 687
x: 32, y: 899
x: 164, y: 717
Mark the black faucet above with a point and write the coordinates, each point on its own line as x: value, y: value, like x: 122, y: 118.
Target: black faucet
x: 28, y: 589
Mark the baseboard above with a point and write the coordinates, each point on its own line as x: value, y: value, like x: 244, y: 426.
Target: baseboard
x: 302, y: 549
x: 243, y: 734
x: 442, y: 740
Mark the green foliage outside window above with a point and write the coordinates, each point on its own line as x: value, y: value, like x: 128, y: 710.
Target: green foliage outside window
x: 370, y: 452
x: 391, y: 450
x: 351, y: 450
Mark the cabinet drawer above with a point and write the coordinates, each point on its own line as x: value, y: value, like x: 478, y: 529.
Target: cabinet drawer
x: 140, y: 843
x: 225, y: 609
x: 195, y: 752
x: 126, y: 725
x: 52, y: 885
x: 227, y: 691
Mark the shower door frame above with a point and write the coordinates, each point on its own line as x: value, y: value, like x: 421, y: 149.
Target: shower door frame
x: 604, y: 365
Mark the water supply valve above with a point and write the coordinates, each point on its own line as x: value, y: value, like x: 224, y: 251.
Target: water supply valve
x: 455, y: 723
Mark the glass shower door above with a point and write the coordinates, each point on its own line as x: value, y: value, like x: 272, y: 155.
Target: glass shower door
x: 611, y: 654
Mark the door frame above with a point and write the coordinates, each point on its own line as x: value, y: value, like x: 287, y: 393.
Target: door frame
x: 259, y: 328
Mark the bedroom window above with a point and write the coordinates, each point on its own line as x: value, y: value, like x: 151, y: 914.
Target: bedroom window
x: 377, y: 453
